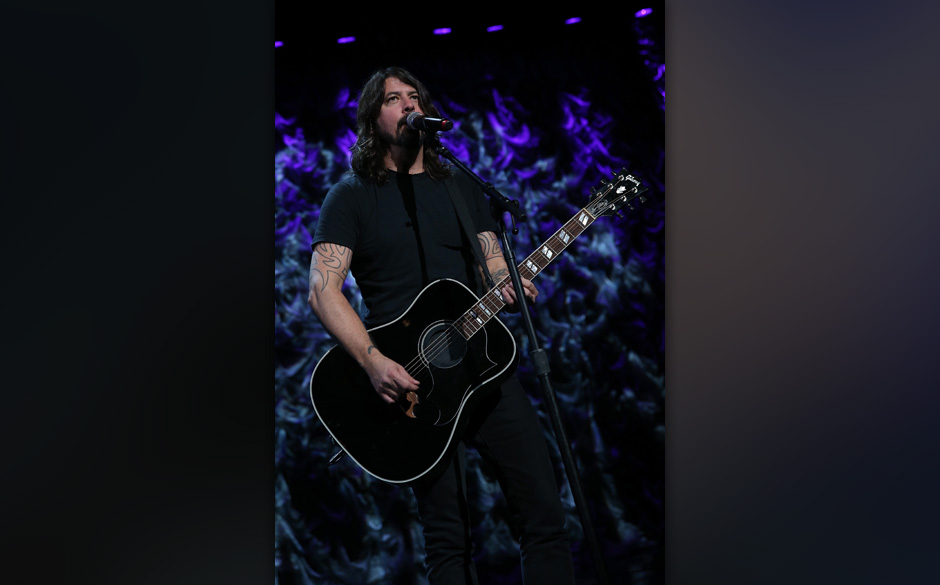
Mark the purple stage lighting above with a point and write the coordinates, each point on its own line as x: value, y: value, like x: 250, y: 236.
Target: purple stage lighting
x: 644, y: 12
x: 573, y: 20
x: 344, y: 40
x: 278, y: 44
x: 442, y: 31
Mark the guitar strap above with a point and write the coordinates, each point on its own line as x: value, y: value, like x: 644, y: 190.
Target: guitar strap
x: 460, y: 205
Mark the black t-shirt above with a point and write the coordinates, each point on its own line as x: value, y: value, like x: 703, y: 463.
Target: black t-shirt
x: 403, y: 235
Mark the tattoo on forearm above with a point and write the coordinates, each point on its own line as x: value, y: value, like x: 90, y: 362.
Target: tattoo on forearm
x: 330, y: 262
x: 368, y: 352
x: 500, y: 274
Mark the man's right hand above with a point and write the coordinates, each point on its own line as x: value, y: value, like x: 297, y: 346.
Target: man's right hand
x: 389, y: 378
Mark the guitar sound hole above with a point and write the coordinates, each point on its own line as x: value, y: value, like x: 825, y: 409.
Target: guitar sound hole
x: 442, y: 346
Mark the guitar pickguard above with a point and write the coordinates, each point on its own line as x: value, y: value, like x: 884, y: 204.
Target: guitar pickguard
x: 450, y: 367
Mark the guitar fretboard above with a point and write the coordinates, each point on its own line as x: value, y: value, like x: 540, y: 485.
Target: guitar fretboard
x: 492, y: 302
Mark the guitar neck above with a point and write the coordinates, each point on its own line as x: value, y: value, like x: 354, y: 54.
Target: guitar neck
x: 492, y: 302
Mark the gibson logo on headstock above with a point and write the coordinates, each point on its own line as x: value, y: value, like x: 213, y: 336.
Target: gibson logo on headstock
x: 629, y: 178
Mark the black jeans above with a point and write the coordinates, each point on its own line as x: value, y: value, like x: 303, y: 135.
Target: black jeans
x: 506, y: 432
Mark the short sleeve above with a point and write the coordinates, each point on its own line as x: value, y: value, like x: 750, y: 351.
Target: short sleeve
x: 339, y: 218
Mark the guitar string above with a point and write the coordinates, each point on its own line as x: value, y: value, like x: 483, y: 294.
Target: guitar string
x: 444, y: 341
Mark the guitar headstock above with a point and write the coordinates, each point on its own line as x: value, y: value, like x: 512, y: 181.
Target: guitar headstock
x: 625, y: 189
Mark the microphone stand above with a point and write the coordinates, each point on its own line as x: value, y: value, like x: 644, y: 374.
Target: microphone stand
x: 503, y: 204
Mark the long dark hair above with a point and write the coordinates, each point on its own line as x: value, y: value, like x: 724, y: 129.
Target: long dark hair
x: 368, y: 153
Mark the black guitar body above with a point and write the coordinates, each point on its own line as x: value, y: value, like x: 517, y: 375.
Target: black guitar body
x: 402, y: 442
x: 451, y: 341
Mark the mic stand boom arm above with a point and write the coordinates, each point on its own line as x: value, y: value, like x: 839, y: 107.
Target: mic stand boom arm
x: 539, y: 358
x: 500, y: 201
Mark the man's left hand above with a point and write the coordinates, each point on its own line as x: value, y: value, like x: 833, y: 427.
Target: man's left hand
x: 509, y: 294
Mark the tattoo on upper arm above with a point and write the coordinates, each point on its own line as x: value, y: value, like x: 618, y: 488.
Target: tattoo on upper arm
x: 493, y: 256
x: 490, y: 245
x: 329, y: 265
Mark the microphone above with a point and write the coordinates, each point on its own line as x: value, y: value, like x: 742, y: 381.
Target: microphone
x: 419, y: 121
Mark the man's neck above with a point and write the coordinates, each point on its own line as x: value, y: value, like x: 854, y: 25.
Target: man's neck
x: 405, y: 160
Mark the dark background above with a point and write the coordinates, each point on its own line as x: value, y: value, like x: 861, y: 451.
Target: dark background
x: 800, y: 319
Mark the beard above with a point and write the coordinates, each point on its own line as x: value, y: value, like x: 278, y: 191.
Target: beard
x: 407, y: 137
